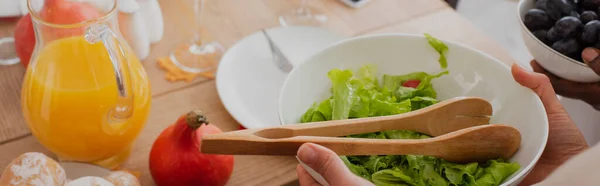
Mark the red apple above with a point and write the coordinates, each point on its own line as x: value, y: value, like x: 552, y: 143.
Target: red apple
x: 24, y: 39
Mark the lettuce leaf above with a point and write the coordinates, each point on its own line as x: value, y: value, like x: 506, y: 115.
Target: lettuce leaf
x: 358, y: 94
x: 404, y: 134
x: 392, y: 177
x: 356, y: 169
x: 325, y: 108
x: 496, y: 172
x: 366, y: 76
x: 440, y: 47
x: 377, y: 163
x: 424, y: 170
x: 344, y: 93
x: 374, y: 135
x: 418, y: 102
x: 384, y: 108
x: 312, y: 115
x: 425, y: 88
x: 459, y: 174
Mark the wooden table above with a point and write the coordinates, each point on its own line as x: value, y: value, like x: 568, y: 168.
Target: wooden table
x: 229, y: 21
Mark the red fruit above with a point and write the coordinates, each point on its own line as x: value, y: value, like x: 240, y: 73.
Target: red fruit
x: 176, y: 160
x: 66, y: 12
x: 24, y: 39
x: 57, y: 12
x: 241, y: 127
x: 411, y: 83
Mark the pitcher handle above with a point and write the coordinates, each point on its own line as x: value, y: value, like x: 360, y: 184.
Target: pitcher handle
x: 102, y: 33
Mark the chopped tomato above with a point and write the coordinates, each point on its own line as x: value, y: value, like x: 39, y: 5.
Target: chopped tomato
x: 413, y: 83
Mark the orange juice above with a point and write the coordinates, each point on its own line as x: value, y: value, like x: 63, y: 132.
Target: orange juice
x: 67, y: 97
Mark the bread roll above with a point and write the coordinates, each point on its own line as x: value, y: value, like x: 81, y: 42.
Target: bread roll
x: 90, y: 181
x: 123, y: 178
x: 33, y: 169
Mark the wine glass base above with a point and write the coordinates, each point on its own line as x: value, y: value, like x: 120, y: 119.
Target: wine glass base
x: 8, y: 52
x: 197, y: 58
x: 112, y: 162
x: 303, y: 17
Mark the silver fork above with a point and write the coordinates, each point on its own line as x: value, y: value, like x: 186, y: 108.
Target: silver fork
x: 278, y: 57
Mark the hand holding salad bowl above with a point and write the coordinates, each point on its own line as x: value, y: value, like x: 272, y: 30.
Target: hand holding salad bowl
x: 395, y: 75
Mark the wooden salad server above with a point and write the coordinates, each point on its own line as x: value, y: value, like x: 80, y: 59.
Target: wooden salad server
x: 458, y: 123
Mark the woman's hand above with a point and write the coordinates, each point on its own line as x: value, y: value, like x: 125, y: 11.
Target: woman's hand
x: 564, y: 139
x: 588, y: 92
x: 328, y: 164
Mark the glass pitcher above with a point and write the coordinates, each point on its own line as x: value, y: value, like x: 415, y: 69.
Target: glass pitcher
x: 85, y: 95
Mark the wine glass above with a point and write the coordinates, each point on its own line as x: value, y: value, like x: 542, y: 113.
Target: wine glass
x: 303, y: 15
x: 8, y: 55
x: 200, y: 55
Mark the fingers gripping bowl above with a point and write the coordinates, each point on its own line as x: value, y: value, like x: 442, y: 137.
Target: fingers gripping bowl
x: 471, y: 73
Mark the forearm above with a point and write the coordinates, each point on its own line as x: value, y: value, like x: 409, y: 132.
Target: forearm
x: 583, y: 169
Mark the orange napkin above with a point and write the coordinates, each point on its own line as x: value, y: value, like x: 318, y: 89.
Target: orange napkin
x: 173, y: 73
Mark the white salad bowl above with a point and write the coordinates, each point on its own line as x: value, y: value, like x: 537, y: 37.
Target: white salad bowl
x: 472, y: 73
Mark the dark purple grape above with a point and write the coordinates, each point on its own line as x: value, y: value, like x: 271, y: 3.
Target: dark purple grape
x: 574, y: 14
x: 590, y: 4
x: 574, y: 5
x: 542, y: 35
x: 552, y: 36
x: 590, y: 32
x: 568, y: 27
x: 577, y: 56
x: 580, y: 5
x: 596, y: 45
x: 536, y: 19
x: 540, y: 4
x: 588, y: 16
x: 568, y: 47
x: 557, y: 8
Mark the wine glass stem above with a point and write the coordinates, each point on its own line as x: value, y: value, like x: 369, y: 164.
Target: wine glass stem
x: 198, y: 9
x: 303, y: 9
x: 303, y: 4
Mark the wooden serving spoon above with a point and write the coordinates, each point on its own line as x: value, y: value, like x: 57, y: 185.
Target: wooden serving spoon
x: 439, y: 119
x: 474, y: 144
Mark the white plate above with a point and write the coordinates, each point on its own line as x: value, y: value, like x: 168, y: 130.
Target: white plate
x: 76, y: 170
x: 248, y: 82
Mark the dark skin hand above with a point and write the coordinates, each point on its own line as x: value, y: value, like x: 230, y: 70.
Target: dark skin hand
x: 588, y: 92
x: 564, y: 140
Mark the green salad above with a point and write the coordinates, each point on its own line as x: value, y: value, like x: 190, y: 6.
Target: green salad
x: 358, y: 94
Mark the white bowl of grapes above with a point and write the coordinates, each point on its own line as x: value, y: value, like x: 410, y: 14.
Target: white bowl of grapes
x: 556, y: 31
